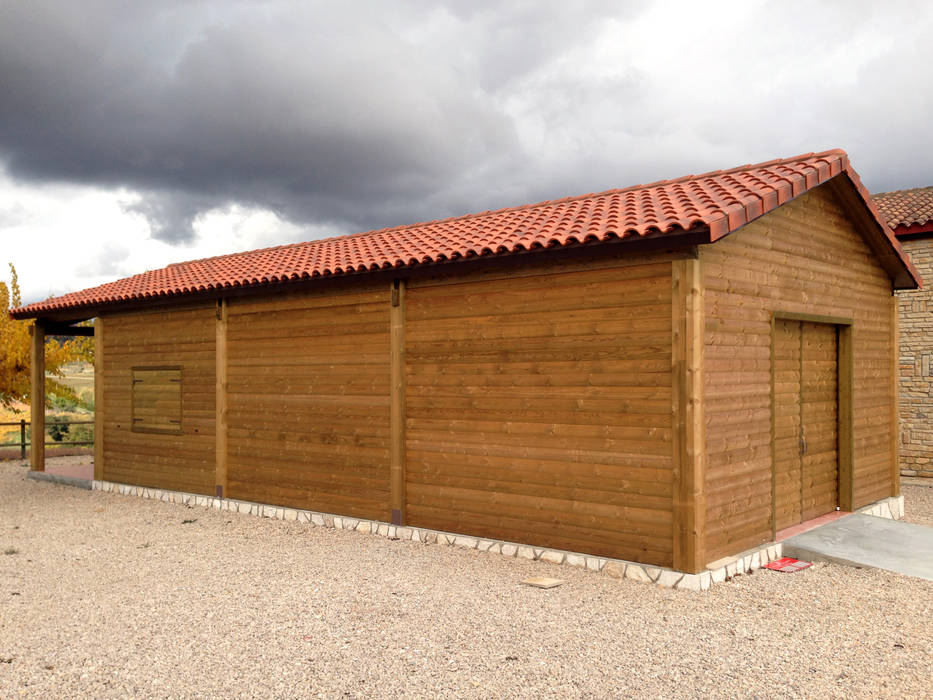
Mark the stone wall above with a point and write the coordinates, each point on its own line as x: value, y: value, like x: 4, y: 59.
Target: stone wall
x: 916, y: 365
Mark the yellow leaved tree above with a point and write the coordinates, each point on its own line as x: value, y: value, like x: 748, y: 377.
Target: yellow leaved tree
x: 15, y: 352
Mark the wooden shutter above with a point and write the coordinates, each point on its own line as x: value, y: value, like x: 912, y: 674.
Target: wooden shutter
x: 157, y: 399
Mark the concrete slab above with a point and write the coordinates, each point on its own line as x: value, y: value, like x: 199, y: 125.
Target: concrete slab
x: 869, y: 541
x: 60, y: 479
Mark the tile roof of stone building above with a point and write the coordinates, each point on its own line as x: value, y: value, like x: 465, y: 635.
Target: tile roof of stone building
x: 906, y: 208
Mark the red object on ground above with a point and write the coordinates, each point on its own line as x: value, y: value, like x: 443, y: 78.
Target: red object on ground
x: 808, y: 525
x: 787, y: 565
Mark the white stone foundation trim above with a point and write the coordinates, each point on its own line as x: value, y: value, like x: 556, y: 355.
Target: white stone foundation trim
x: 892, y: 508
x: 722, y: 570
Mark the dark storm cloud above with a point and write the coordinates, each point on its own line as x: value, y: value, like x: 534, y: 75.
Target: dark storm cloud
x: 320, y: 114
x: 348, y: 116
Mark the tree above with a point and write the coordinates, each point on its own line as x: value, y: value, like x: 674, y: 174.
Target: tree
x: 15, y: 352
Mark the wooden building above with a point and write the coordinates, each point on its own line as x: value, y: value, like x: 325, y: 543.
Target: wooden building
x: 910, y: 215
x: 666, y: 374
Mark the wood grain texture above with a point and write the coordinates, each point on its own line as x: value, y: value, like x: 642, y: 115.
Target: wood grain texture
x: 806, y: 257
x: 806, y: 419
x: 788, y: 460
x: 308, y: 401
x: 819, y: 419
x: 539, y: 408
x: 687, y: 407
x: 846, y: 418
x: 156, y: 399
x: 184, y: 338
x: 220, y: 407
x: 397, y: 407
x: 100, y: 399
x: 37, y: 400
x: 618, y: 407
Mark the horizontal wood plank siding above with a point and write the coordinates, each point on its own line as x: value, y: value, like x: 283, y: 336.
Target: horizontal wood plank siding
x: 538, y: 408
x: 806, y: 257
x: 308, y: 401
x: 183, y: 338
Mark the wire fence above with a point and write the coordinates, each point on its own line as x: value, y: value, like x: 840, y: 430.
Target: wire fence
x: 24, y: 441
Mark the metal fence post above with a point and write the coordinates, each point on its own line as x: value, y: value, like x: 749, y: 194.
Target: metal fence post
x: 22, y: 438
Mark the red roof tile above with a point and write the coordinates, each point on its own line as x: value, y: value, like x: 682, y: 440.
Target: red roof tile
x: 906, y: 208
x: 722, y: 201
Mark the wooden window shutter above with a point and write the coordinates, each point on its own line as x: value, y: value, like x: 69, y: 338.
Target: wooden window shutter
x: 157, y: 400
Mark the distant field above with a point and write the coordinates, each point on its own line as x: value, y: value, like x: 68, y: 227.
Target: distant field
x: 79, y: 383
x: 79, y: 376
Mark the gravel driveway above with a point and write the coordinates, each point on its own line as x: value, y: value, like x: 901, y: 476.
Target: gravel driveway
x: 104, y: 595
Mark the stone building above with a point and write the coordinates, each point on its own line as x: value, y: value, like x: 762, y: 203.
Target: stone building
x: 910, y: 214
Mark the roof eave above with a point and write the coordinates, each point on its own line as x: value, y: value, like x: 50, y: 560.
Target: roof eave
x: 875, y: 230
x: 906, y: 232
x: 677, y: 239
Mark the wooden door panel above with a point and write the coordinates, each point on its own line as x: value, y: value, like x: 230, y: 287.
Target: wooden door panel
x: 819, y: 400
x: 805, y: 420
x: 787, y: 462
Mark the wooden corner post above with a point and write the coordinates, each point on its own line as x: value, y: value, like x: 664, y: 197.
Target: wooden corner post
x: 220, y: 423
x: 37, y: 399
x: 397, y: 405
x: 99, y: 399
x: 846, y: 416
x: 689, y: 504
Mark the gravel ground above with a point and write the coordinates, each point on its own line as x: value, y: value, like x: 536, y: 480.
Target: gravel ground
x: 918, y: 503
x: 104, y: 595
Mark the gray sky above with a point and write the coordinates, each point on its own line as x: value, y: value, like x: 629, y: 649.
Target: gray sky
x: 133, y: 135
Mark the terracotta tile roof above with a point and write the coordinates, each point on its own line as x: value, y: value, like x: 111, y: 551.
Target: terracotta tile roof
x: 904, y: 208
x: 720, y: 202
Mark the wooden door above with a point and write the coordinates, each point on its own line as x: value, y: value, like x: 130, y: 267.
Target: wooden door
x: 806, y: 414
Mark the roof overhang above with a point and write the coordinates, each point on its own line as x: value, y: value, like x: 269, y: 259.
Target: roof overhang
x: 906, y: 232
x: 677, y: 242
x: 875, y: 230
x: 693, y: 210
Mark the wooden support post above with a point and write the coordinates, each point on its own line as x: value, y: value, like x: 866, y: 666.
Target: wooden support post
x: 99, y: 399
x: 687, y: 403
x: 220, y: 428
x: 37, y: 399
x: 22, y: 438
x: 895, y: 398
x: 397, y: 407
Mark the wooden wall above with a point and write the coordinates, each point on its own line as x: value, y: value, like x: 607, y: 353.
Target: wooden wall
x: 539, y: 407
x: 539, y: 404
x: 308, y: 401
x: 805, y: 257
x: 182, y: 337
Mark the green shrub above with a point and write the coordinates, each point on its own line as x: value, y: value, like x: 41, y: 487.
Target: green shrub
x: 86, y: 399
x: 63, y: 403
x: 57, y: 429
x: 82, y: 433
